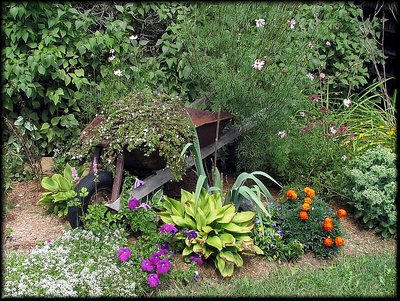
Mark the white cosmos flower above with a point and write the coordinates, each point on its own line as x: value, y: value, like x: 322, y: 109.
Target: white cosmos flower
x: 133, y: 37
x: 258, y: 64
x: 292, y: 23
x: 347, y: 102
x: 118, y: 72
x: 260, y: 22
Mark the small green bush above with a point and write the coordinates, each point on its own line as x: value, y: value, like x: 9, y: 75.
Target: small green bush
x: 372, y: 188
x: 309, y: 232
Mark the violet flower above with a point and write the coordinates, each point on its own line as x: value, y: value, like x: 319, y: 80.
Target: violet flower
x: 133, y: 203
x: 280, y: 233
x: 168, y: 228
x: 155, y: 258
x: 163, y: 266
x: 196, y: 259
x: 190, y: 234
x: 124, y: 254
x: 165, y: 246
x: 138, y: 183
x: 145, y: 206
x: 153, y: 280
x: 147, y: 265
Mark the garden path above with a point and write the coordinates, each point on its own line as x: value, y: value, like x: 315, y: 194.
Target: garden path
x: 31, y: 225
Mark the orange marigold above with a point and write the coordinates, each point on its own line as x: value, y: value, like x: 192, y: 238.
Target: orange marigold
x: 291, y: 194
x: 303, y: 215
x: 309, y: 192
x: 341, y: 213
x: 328, y: 241
x: 328, y: 220
x: 339, y: 241
x: 305, y: 207
x: 328, y: 226
x: 308, y: 200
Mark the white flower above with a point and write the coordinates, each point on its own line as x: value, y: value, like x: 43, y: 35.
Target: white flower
x: 118, y: 72
x: 260, y: 22
x: 112, y: 51
x: 328, y: 43
x: 111, y: 58
x: 311, y: 45
x: 344, y: 157
x: 322, y: 75
x: 347, y: 102
x: 332, y: 129
x: 133, y: 37
x: 258, y: 64
x: 292, y: 23
x: 302, y: 114
x: 310, y: 76
x: 282, y: 134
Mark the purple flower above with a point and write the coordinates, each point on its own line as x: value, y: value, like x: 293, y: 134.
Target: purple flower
x: 74, y: 174
x: 165, y: 246
x: 196, y: 275
x: 168, y: 228
x: 145, y: 206
x: 133, y: 203
x: 278, y: 207
x: 124, y: 254
x: 153, y: 280
x: 163, y: 266
x: 190, y: 234
x: 196, y: 259
x: 155, y: 258
x: 280, y: 233
x: 163, y: 252
x: 147, y: 265
x: 138, y: 183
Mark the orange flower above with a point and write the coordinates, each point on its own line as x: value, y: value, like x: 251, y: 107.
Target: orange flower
x: 328, y: 220
x: 303, y: 215
x: 341, y: 213
x: 328, y: 226
x: 328, y: 241
x: 305, y: 207
x: 339, y: 241
x: 309, y: 192
x: 291, y: 194
x: 308, y: 200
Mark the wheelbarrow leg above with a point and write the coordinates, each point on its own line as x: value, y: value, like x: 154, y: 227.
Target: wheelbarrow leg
x: 118, y: 177
x: 96, y: 157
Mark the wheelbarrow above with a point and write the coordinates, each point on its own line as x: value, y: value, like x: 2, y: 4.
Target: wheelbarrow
x: 106, y: 189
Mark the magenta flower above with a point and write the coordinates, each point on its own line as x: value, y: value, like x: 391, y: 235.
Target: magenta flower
x: 138, y: 183
x: 155, y: 258
x: 145, y: 206
x: 133, y: 204
x: 351, y: 137
x: 163, y: 252
x: 163, y: 266
x: 153, y: 280
x: 147, y: 265
x: 124, y: 254
x: 196, y: 259
x: 168, y: 228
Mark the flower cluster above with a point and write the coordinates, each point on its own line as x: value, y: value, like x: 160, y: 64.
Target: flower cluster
x: 328, y: 227
x: 158, y: 262
x: 135, y: 204
x: 306, y: 206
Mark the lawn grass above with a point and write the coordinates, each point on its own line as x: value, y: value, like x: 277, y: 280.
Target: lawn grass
x: 372, y: 275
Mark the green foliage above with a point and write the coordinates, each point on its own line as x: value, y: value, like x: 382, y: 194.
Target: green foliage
x: 309, y: 232
x: 270, y: 239
x: 98, y: 218
x: 221, y: 232
x: 60, y: 191
x: 342, y: 45
x: 372, y: 187
x: 145, y: 121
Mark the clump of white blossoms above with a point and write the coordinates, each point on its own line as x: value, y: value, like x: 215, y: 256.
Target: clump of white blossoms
x: 78, y: 264
x: 258, y: 64
x: 118, y: 72
x: 260, y: 22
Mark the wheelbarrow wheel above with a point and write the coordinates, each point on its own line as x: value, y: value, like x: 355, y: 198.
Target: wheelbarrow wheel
x: 99, y: 191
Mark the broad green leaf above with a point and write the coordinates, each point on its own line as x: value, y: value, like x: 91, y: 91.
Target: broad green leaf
x: 228, y: 215
x: 242, y: 217
x: 227, y: 256
x: 47, y: 200
x: 214, y: 241
x: 187, y: 250
x: 49, y: 184
x: 227, y: 239
x: 258, y: 250
x: 68, y: 173
x: 231, y: 227
x: 207, y: 229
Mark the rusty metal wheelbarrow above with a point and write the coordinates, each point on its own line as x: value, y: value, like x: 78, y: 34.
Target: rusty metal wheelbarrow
x: 151, y: 168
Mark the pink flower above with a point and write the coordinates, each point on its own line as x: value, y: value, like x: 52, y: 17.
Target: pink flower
x: 322, y: 75
x: 163, y: 266
x: 147, y: 265
x: 153, y: 280
x: 74, y: 174
x: 138, y: 183
x: 351, y: 137
x: 124, y: 254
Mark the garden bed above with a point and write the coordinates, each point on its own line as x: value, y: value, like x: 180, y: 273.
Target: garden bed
x: 31, y: 225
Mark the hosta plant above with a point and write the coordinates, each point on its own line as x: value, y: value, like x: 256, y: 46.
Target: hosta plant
x: 211, y: 229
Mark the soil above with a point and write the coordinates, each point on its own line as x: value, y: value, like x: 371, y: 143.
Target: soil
x: 30, y: 225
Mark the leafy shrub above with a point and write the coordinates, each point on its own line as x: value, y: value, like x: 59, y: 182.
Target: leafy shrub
x: 211, y: 229
x: 372, y: 187
x: 309, y: 231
